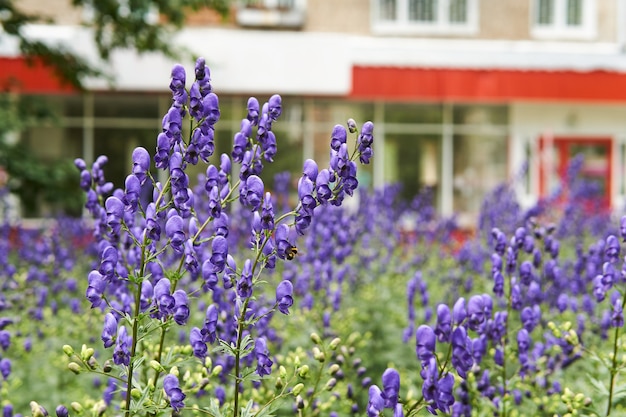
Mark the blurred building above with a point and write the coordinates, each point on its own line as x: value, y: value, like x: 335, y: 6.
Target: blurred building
x: 462, y: 92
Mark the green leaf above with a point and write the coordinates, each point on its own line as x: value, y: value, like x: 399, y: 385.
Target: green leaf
x: 599, y: 385
x: 247, y: 410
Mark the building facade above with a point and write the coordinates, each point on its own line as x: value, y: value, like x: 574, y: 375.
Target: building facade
x: 463, y: 93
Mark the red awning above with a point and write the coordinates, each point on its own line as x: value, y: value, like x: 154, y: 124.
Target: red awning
x: 20, y: 76
x: 445, y: 84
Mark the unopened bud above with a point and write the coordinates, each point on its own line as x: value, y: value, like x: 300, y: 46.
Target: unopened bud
x: 86, y: 353
x: 174, y: 371
x: 334, y: 343
x: 76, y: 406
x: 93, y: 363
x: 68, y: 350
x: 217, y: 370
x: 299, y: 402
x: 74, y: 367
x: 330, y: 384
x: 334, y: 368
x: 135, y: 393
x: 156, y: 365
x: 282, y: 372
x: 315, y: 338
x: 62, y: 411
x: 279, y: 383
x: 107, y: 367
x: 298, y: 389
x: 318, y: 355
x: 303, y: 371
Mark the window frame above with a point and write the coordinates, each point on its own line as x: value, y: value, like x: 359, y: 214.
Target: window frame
x: 442, y: 25
x: 559, y: 29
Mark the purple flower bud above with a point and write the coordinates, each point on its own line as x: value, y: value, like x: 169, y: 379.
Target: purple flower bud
x: 121, y: 353
x: 5, y: 368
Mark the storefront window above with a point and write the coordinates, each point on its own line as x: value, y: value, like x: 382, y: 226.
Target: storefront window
x: 414, y: 161
x: 479, y: 167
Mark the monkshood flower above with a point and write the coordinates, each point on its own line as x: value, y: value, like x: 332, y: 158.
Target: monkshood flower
x: 264, y: 363
x: 219, y: 253
x: 109, y: 330
x: 254, y: 192
x: 209, y: 330
x: 612, y: 249
x: 444, y: 323
x: 364, y: 142
x: 5, y: 368
x: 617, y: 314
x: 391, y: 387
x: 173, y: 392
x: 376, y: 402
x: 499, y: 240
x: 95, y: 289
x: 244, y: 284
x: 479, y: 309
x: 284, y: 296
x: 181, y: 307
x: 141, y: 164
x: 462, y: 359
x: 459, y: 312
x: 281, y: 236
x: 115, y: 214
x: 175, y: 233
x: 121, y: 353
x: 5, y: 339
x: 338, y: 137
x: 163, y: 299
x: 196, y: 340
x: 425, y: 341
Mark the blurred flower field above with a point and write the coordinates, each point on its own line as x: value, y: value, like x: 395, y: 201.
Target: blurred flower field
x: 223, y: 300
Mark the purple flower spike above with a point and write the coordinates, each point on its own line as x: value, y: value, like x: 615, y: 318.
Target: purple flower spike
x: 284, y: 296
x: 391, y: 387
x: 211, y: 108
x: 141, y: 164
x: 198, y: 344
x: 173, y: 392
x: 162, y: 297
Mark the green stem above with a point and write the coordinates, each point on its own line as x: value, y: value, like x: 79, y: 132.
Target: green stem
x: 613, y: 369
x: 240, y: 329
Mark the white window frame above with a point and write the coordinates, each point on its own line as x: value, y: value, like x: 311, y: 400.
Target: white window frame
x: 403, y: 26
x: 559, y: 29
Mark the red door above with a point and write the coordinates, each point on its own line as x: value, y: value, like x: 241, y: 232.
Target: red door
x: 557, y: 154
